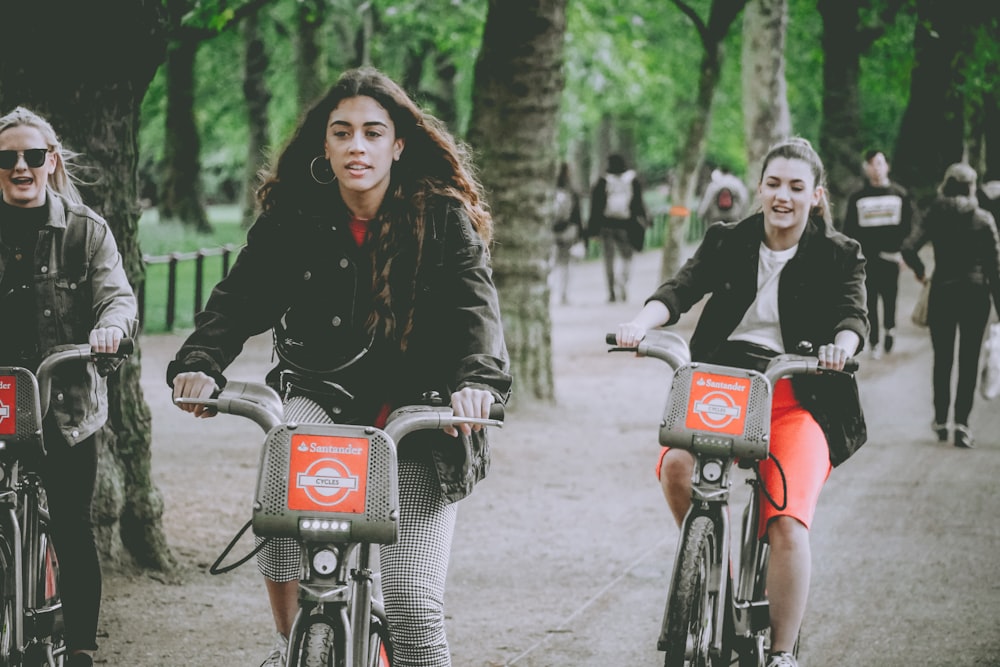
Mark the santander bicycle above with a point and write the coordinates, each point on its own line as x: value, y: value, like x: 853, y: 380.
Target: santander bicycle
x: 717, y: 607
x: 334, y: 489
x: 31, y: 619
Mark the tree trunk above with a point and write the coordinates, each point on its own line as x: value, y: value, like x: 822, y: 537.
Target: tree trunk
x: 92, y: 98
x: 309, y: 70
x: 766, y: 118
x: 721, y: 17
x: 515, y: 105
x: 181, y: 191
x: 257, y: 96
x: 840, y: 140
x: 932, y: 131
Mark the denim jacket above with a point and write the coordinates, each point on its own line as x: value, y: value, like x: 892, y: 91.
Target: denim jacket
x: 80, y: 285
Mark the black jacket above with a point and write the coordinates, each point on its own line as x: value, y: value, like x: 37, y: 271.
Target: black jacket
x: 820, y: 292
x: 303, y: 275
x: 965, y: 241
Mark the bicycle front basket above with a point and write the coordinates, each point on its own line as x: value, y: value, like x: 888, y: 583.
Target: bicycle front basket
x: 327, y: 483
x: 718, y: 411
x: 20, y: 412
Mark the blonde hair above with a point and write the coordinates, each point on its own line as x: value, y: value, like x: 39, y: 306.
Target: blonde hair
x: 62, y: 181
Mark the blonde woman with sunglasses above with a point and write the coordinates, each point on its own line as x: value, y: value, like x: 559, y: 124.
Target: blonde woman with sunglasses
x: 61, y: 282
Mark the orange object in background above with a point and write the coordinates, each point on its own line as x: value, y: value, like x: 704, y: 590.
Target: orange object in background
x: 679, y: 211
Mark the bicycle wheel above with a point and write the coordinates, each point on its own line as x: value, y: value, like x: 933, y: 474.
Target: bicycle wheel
x: 692, y: 605
x: 8, y: 608
x: 379, y: 647
x: 317, y: 649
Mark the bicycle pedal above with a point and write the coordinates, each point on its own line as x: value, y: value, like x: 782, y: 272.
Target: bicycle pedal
x: 760, y: 615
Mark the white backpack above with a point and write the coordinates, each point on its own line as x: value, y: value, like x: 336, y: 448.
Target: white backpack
x: 619, y: 190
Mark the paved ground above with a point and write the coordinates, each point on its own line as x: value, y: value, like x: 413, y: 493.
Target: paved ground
x: 562, y: 555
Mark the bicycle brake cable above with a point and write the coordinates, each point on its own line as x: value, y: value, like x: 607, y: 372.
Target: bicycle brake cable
x: 784, y: 483
x: 216, y: 569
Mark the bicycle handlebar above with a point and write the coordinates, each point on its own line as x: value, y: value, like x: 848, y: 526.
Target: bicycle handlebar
x: 73, y: 353
x: 262, y: 405
x: 672, y: 348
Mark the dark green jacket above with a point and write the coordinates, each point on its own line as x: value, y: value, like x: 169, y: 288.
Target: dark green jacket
x: 303, y: 275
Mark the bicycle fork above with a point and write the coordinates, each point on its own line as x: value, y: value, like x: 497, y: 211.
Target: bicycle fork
x: 709, y: 498
x: 339, y: 595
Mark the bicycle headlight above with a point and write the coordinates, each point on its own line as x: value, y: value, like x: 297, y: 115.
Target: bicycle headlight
x: 711, y: 470
x: 324, y: 561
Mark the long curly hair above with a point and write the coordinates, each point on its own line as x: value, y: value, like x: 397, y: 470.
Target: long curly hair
x: 433, y: 164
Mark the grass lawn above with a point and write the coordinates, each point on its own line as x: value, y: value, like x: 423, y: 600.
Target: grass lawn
x: 159, y: 240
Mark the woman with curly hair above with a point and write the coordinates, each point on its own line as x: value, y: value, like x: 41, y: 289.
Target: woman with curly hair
x: 370, y: 262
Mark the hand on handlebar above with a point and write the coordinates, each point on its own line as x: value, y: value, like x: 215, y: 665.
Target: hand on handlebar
x: 469, y: 402
x: 105, y: 340
x: 833, y: 357
x: 653, y: 314
x: 194, y: 384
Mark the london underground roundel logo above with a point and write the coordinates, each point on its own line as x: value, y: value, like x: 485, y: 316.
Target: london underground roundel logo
x: 717, y: 409
x: 327, y: 482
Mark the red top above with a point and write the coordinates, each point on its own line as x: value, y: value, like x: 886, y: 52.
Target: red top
x: 359, y: 228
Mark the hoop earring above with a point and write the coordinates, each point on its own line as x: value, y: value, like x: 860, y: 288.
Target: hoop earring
x: 312, y: 171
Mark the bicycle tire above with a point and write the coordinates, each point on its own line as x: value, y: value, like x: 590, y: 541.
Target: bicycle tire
x: 691, y: 606
x: 317, y: 648
x: 379, y: 646
x: 8, y: 607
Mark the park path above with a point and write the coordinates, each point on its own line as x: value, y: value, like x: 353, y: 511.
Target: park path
x: 561, y: 556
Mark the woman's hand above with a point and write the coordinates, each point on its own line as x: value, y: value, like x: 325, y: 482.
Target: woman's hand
x: 470, y: 402
x: 833, y: 356
x: 194, y: 385
x: 106, y: 340
x: 844, y: 346
x: 630, y: 334
x: 653, y: 314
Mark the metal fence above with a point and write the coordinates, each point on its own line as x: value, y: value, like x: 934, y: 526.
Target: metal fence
x: 172, y: 261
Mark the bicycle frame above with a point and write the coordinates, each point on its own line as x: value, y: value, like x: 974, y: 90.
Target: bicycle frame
x: 36, y: 616
x: 721, y: 415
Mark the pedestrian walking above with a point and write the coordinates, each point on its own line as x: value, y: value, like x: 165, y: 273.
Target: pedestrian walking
x: 725, y: 198
x: 567, y: 232
x: 618, y: 217
x: 880, y: 216
x: 966, y: 278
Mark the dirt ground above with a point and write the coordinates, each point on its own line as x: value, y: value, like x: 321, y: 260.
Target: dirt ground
x: 562, y: 554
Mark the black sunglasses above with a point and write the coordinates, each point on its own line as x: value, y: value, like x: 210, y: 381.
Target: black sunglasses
x: 33, y: 157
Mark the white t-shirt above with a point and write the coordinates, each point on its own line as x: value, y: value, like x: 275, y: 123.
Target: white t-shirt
x: 760, y: 324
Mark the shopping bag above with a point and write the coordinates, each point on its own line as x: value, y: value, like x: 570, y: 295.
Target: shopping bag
x: 989, y: 379
x: 919, y: 315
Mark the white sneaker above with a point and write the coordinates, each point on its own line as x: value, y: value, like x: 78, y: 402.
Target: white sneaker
x: 876, y: 351
x: 782, y: 659
x: 276, y: 658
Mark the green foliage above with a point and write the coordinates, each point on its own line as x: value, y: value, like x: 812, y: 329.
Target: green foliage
x: 631, y: 66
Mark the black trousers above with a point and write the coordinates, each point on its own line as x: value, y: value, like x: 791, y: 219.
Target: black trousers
x: 70, y: 475
x: 963, y: 310
x: 882, y: 285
